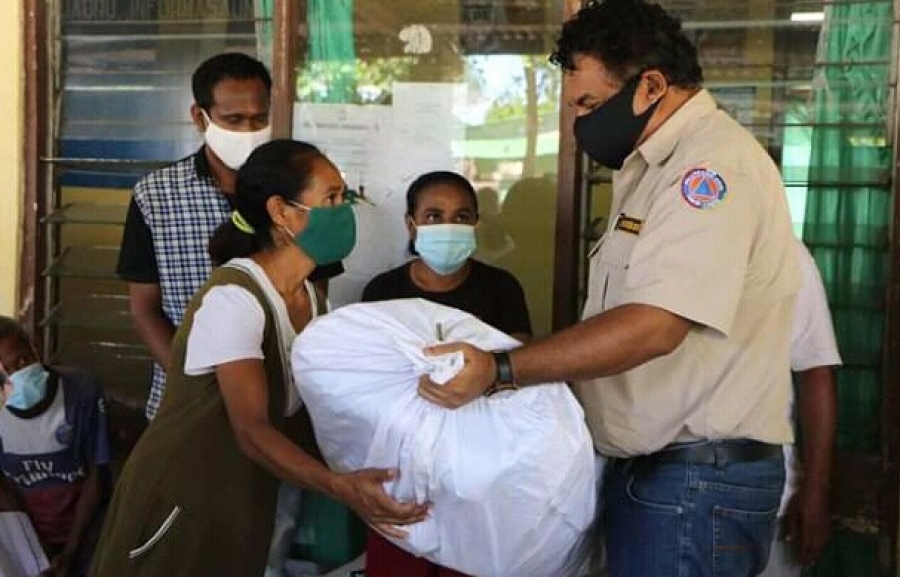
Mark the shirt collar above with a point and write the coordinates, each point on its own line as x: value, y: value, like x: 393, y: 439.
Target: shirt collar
x: 201, y: 163
x: 660, y: 145
x: 201, y: 166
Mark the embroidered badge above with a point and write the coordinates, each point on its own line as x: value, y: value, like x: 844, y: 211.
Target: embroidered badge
x: 629, y: 224
x: 703, y: 188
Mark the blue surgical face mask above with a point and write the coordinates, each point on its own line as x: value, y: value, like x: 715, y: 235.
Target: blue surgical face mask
x: 445, y: 248
x: 29, y: 386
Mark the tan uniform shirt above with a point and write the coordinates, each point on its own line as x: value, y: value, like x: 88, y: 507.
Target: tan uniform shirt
x: 699, y: 227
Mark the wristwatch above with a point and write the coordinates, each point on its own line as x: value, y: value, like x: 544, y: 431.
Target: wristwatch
x: 503, y: 380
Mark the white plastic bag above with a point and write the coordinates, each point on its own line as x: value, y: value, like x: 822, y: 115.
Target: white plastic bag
x: 511, y: 478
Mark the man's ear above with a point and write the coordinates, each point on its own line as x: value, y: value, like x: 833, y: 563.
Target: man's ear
x: 197, y: 118
x: 654, y: 85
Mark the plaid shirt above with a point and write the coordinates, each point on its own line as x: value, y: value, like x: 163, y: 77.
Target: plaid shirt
x: 182, y: 207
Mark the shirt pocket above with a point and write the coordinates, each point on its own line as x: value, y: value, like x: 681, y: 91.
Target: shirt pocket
x: 613, y: 262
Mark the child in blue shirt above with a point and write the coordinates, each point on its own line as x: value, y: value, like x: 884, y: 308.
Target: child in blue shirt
x: 53, y: 448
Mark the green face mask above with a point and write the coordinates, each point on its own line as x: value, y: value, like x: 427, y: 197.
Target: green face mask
x: 329, y: 235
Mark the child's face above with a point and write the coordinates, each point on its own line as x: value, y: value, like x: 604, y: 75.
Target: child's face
x: 15, y: 354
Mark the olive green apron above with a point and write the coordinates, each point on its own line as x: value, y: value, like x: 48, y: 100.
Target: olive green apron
x: 189, y: 501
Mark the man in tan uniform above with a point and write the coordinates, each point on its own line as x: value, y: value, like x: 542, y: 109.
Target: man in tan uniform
x: 681, y: 360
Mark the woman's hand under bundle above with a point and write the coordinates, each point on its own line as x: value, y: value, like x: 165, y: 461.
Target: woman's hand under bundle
x: 363, y: 491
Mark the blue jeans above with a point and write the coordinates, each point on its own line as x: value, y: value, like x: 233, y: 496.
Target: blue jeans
x: 688, y: 520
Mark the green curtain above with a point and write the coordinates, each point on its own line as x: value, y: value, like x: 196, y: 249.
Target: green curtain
x: 846, y: 226
x: 330, y: 73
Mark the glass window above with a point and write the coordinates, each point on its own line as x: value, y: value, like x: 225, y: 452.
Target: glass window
x: 125, y: 80
x: 392, y: 89
x: 123, y: 95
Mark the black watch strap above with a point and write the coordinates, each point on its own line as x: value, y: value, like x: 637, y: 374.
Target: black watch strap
x: 504, y: 368
x: 503, y: 380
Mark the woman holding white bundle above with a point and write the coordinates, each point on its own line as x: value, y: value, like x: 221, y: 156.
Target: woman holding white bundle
x: 197, y: 495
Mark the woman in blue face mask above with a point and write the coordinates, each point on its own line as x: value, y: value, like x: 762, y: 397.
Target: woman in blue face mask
x: 197, y: 495
x: 441, y: 216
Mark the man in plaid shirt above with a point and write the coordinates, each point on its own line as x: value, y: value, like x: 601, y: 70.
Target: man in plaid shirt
x: 175, y: 209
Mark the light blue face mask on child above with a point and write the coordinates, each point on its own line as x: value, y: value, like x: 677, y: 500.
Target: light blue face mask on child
x: 445, y: 248
x: 29, y: 386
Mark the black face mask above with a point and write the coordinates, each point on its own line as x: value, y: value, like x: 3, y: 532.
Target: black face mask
x: 609, y: 133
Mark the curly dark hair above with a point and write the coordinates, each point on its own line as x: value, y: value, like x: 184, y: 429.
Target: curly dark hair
x: 628, y: 37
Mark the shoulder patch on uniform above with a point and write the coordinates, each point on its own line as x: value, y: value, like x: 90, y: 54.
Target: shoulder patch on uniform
x: 703, y: 188
x: 629, y: 224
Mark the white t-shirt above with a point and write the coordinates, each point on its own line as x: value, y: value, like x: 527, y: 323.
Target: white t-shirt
x: 812, y: 345
x: 229, y: 327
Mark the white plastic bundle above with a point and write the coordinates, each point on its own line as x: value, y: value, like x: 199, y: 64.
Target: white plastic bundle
x: 511, y: 477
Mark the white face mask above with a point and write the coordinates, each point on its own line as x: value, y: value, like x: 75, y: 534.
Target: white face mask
x: 231, y: 146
